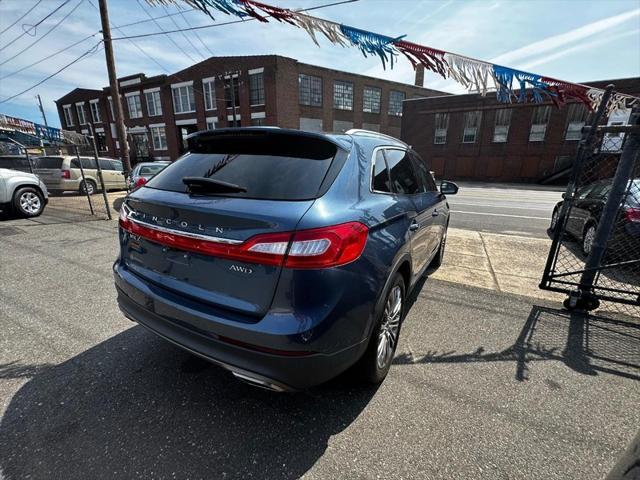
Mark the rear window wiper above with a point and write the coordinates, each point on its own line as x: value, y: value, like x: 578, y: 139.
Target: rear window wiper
x: 209, y: 185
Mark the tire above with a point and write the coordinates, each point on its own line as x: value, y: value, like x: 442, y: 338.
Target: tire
x: 385, y: 335
x: 554, y: 220
x: 587, y: 239
x: 90, y: 186
x: 439, y: 257
x: 28, y: 202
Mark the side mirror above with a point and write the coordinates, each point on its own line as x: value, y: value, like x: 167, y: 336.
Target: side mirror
x: 448, y: 188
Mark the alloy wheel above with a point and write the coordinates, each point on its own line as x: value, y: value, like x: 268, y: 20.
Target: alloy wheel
x: 30, y: 203
x: 87, y: 187
x: 589, y: 237
x: 390, y: 327
x: 554, y: 220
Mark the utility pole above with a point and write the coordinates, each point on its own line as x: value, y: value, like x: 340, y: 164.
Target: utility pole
x: 44, y: 117
x: 113, y: 83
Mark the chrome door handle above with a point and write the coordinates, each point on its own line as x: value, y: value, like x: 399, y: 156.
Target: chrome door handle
x: 435, y: 213
x: 414, y: 226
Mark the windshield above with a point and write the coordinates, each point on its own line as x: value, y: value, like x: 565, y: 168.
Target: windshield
x: 151, y: 169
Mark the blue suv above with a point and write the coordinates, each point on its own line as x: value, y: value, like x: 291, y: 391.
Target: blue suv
x: 284, y: 256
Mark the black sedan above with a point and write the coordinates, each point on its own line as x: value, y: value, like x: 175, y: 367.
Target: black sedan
x: 586, y: 212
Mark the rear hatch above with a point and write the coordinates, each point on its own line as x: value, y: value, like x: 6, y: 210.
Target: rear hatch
x: 49, y: 169
x: 193, y: 241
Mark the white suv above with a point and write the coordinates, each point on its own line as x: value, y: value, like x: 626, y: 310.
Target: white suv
x: 21, y: 192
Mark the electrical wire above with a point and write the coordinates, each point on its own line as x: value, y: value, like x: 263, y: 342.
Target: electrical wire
x: 43, y: 36
x: 49, y: 56
x: 173, y: 20
x: 154, y: 18
x: 24, y: 15
x: 232, y: 22
x: 196, y: 34
x: 91, y: 51
x: 32, y: 27
x: 162, y: 31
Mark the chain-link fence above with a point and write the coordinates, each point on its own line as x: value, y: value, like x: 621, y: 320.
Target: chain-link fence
x: 595, y: 254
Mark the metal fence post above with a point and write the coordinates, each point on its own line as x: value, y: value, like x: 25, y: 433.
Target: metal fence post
x: 84, y: 181
x: 585, y: 144
x: 95, y: 154
x: 619, y: 190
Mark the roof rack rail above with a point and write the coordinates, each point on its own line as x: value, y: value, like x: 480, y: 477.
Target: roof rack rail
x: 371, y: 133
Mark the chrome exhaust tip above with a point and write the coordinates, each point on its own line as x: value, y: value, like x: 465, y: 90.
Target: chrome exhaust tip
x: 258, y: 382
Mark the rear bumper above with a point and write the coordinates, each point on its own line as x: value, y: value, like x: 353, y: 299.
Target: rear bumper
x: 61, y: 185
x: 218, y: 342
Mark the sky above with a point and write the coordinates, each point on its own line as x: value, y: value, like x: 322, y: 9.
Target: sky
x: 573, y: 40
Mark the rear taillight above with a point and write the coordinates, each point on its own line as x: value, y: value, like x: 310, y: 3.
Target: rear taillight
x: 317, y: 248
x: 141, y: 181
x: 65, y: 174
x: 632, y: 214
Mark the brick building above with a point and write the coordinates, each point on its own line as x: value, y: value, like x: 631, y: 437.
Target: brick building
x: 478, y: 138
x: 265, y: 90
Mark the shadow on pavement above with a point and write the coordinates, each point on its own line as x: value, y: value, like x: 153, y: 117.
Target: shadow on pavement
x: 135, y: 406
x: 588, y: 344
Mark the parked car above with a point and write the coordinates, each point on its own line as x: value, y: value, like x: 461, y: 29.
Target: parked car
x: 144, y: 171
x: 15, y: 162
x: 586, y: 212
x: 22, y: 193
x: 62, y: 173
x: 284, y: 256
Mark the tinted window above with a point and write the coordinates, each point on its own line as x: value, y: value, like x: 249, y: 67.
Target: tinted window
x: 117, y: 165
x: 106, y: 164
x: 403, y: 178
x: 150, y: 169
x: 14, y: 162
x: 269, y: 165
x: 49, y: 162
x: 423, y: 175
x: 380, y: 174
x: 88, y: 163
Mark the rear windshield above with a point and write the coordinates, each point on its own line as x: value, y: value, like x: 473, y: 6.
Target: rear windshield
x: 151, y: 169
x: 49, y: 162
x: 14, y: 162
x: 285, y: 168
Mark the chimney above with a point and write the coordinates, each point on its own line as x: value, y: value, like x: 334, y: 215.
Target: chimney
x: 419, y: 76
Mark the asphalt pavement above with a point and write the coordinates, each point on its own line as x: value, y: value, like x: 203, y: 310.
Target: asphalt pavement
x: 485, y: 384
x: 513, y: 209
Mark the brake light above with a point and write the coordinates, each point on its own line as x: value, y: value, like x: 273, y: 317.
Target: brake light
x: 317, y: 248
x: 632, y: 214
x: 65, y: 174
x: 141, y: 181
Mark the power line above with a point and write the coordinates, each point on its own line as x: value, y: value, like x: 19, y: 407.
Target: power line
x: 232, y: 22
x: 154, y: 18
x: 173, y: 20
x: 24, y: 15
x: 48, y: 56
x: 92, y: 50
x: 196, y: 34
x: 162, y: 31
x: 33, y: 26
x: 43, y: 36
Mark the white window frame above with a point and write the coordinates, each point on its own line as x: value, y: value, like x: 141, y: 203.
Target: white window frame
x: 137, y: 103
x: 369, y: 104
x: 343, y: 96
x: 94, y: 107
x: 253, y: 74
x: 538, y: 132
x: 440, y: 133
x: 176, y: 94
x: 211, y: 123
x: 158, y: 136
x: 394, y: 113
x: 209, y: 90
x: 574, y: 131
x: 468, y: 131
x: 501, y: 130
x: 68, y: 115
x: 82, y: 119
x: 154, y: 107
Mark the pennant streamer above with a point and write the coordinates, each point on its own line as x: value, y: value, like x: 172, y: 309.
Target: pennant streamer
x: 475, y: 75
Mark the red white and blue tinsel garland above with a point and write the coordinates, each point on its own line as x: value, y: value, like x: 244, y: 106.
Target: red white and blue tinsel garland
x: 475, y: 75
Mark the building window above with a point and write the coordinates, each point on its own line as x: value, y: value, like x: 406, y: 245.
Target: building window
x: 211, y: 124
x: 441, y: 126
x: 95, y: 111
x: 342, y: 95
x: 209, y: 90
x: 310, y: 90
x: 395, y: 103
x: 154, y: 107
x: 256, y: 88
x: 101, y: 142
x: 471, y: 126
x: 134, y: 105
x: 183, y: 100
x: 576, y: 118
x: 341, y: 126
x: 371, y: 99
x: 501, y: 127
x: 257, y: 122
x: 539, y: 120
x: 229, y: 101
x: 68, y: 116
x: 82, y: 119
x: 159, y: 138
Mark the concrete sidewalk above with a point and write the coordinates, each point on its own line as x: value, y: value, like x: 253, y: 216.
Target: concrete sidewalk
x: 504, y: 263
